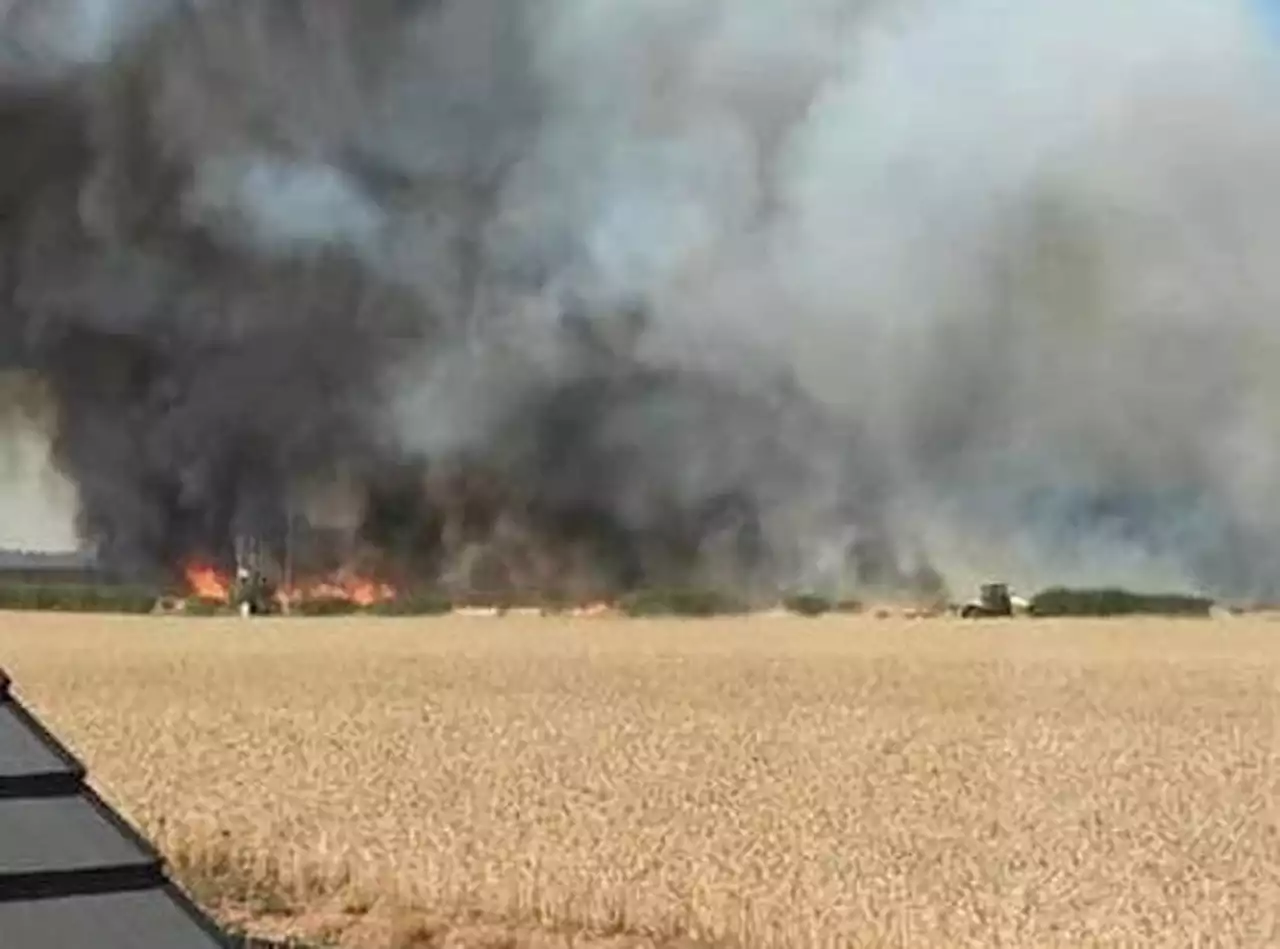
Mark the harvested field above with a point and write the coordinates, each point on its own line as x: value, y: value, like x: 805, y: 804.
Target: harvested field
x: 762, y: 782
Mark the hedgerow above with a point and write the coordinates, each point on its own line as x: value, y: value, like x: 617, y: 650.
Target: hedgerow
x: 326, y: 606
x: 76, y: 599
x: 413, y: 604
x: 687, y: 602
x: 202, y: 606
x: 807, y: 604
x: 1114, y: 601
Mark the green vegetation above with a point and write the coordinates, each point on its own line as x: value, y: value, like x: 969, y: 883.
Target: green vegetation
x: 413, y: 604
x: 808, y: 604
x: 200, y: 606
x: 689, y: 602
x: 326, y: 606
x: 76, y: 598
x: 1113, y: 601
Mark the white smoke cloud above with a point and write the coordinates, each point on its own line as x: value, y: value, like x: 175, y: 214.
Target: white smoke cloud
x: 280, y: 205
x: 37, y: 505
x: 51, y: 38
x: 1026, y: 244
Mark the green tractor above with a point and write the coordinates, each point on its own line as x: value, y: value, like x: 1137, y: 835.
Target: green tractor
x: 253, y: 593
x: 994, y: 599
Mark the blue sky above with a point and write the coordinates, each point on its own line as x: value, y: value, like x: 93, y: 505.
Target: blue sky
x: 1269, y: 11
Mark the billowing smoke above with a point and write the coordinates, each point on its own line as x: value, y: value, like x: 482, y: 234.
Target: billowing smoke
x: 35, y: 503
x: 778, y: 292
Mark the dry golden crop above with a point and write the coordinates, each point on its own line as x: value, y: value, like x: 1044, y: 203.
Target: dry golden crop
x: 762, y: 782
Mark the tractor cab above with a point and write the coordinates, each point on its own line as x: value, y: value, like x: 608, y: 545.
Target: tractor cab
x: 994, y: 599
x: 253, y: 594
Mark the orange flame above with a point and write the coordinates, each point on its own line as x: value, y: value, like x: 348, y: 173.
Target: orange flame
x: 367, y: 592
x: 207, y: 584
x: 359, y: 590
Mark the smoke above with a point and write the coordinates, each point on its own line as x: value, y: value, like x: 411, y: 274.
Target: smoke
x: 789, y: 291
x: 1061, y: 256
x: 1022, y: 246
x: 36, y: 505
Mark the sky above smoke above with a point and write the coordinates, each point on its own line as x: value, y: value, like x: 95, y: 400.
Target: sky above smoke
x: 1021, y: 248
x: 36, y: 503
x: 34, y: 506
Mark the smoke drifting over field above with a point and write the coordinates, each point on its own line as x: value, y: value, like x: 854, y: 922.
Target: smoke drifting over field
x: 782, y: 291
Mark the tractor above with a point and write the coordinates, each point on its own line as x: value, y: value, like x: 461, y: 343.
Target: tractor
x: 253, y: 594
x: 994, y: 599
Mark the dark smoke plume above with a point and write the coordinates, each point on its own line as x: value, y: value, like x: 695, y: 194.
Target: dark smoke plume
x: 236, y: 227
x: 598, y: 294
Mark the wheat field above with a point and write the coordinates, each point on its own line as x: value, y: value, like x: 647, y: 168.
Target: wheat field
x: 755, y: 783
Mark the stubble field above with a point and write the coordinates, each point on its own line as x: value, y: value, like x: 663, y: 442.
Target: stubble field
x: 755, y: 783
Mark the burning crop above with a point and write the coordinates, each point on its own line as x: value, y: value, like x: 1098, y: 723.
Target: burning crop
x: 207, y: 583
x: 358, y: 590
x: 210, y: 584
